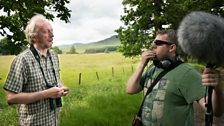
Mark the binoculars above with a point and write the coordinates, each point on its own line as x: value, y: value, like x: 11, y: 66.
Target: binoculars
x: 54, y: 102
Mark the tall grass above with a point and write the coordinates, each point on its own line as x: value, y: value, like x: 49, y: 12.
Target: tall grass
x: 93, y: 102
x: 8, y: 114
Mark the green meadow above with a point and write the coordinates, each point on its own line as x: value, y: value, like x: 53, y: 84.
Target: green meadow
x: 97, y: 84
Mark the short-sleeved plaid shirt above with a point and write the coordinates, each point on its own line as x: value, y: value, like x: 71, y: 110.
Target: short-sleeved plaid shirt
x: 25, y: 76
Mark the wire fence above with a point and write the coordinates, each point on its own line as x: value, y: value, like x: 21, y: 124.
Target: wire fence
x: 98, y: 77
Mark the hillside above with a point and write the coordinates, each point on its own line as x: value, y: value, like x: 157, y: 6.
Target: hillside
x: 81, y: 47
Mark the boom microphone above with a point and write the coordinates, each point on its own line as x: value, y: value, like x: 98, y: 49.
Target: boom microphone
x: 201, y: 35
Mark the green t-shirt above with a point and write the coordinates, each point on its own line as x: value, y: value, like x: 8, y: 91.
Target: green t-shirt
x: 171, y: 101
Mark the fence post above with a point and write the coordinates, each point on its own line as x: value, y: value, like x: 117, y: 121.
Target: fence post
x: 97, y: 76
x: 123, y: 69
x: 112, y: 71
x: 132, y: 69
x: 80, y: 76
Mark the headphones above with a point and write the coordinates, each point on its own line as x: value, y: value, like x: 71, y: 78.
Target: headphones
x: 167, y: 64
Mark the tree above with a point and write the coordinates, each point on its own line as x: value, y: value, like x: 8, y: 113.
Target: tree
x: 57, y: 50
x: 143, y: 17
x: 16, y: 14
x: 8, y: 48
x: 72, y: 50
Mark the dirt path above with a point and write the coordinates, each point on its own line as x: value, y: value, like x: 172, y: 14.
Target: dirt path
x: 200, y: 118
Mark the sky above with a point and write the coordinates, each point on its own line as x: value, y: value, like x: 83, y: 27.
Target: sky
x: 91, y: 21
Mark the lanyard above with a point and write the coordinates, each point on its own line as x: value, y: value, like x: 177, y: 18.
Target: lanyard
x: 37, y: 57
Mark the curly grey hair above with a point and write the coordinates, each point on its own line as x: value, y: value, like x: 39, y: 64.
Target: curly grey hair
x: 31, y: 30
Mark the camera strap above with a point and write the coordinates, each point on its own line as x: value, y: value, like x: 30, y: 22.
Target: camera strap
x: 37, y: 57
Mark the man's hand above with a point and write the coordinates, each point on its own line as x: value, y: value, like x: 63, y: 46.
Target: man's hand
x: 211, y: 77
x: 66, y: 90
x: 54, y: 92
x: 146, y: 56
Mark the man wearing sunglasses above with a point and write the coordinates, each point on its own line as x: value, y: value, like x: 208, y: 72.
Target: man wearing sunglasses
x: 170, y: 103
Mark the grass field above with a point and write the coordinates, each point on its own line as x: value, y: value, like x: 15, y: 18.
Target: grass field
x: 94, y: 101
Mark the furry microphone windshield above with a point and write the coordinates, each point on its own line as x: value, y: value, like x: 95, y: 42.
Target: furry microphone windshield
x: 201, y: 35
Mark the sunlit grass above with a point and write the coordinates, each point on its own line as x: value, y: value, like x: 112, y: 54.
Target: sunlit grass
x: 93, y: 102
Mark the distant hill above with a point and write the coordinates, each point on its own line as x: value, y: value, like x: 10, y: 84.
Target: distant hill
x: 81, y: 47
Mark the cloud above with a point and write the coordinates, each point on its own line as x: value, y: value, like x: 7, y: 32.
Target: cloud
x: 90, y: 21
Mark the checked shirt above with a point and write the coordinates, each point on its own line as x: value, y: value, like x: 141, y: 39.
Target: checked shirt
x: 25, y: 76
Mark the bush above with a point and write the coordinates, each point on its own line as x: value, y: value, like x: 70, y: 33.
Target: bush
x: 102, y: 50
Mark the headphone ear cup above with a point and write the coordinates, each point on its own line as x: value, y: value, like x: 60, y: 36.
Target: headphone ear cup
x: 166, y: 64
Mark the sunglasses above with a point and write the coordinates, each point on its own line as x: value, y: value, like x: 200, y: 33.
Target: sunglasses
x: 160, y: 42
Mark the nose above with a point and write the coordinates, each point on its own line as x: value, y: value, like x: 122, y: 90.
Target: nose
x: 51, y: 34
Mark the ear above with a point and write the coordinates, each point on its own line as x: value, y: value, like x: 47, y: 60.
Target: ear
x: 33, y: 39
x: 173, y: 48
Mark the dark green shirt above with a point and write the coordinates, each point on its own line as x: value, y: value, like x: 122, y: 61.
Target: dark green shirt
x: 171, y: 101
